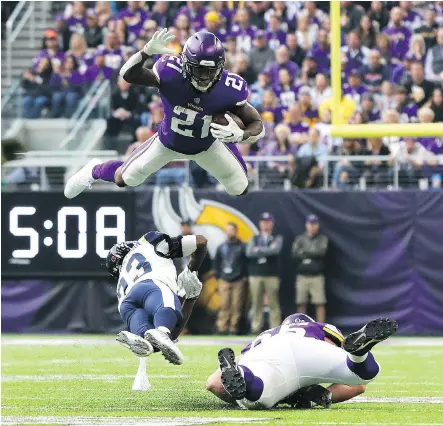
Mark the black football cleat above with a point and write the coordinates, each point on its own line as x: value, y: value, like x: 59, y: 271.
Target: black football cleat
x: 309, y: 397
x: 232, y: 380
x: 363, y: 340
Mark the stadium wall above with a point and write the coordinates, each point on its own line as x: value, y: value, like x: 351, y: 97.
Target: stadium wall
x: 385, y: 257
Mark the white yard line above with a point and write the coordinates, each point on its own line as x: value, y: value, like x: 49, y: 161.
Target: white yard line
x: 57, y: 377
x: 397, y: 400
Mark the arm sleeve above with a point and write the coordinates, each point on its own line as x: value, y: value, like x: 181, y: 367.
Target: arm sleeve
x: 297, y: 248
x: 250, y: 252
x: 273, y: 249
x: 189, y: 245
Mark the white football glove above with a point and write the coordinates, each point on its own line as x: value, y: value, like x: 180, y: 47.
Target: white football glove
x: 189, y: 281
x: 158, y: 43
x: 230, y: 133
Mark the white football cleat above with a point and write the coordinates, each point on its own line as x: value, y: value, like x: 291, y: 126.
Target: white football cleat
x: 161, y: 340
x: 81, y: 180
x: 135, y: 343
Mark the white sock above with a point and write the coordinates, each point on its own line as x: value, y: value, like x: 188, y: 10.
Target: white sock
x: 164, y: 329
x: 358, y: 359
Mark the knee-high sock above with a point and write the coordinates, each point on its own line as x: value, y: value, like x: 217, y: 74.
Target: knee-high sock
x: 254, y: 385
x: 106, y: 171
x: 366, y: 368
x: 165, y: 317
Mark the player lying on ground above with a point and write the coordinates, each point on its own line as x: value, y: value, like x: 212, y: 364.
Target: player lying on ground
x: 149, y: 291
x: 296, y: 356
x: 193, y: 87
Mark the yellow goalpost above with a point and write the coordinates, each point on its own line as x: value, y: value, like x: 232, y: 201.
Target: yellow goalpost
x: 364, y: 130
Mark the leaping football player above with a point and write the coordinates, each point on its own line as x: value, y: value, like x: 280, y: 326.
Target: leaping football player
x: 149, y: 290
x: 194, y: 87
x: 288, y: 363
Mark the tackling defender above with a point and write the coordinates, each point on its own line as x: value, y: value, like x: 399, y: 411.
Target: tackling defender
x: 289, y: 362
x: 148, y: 290
x: 193, y: 87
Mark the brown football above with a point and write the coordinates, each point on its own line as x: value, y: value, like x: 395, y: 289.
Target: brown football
x: 220, y: 119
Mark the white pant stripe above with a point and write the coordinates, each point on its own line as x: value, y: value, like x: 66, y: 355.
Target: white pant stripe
x: 167, y: 295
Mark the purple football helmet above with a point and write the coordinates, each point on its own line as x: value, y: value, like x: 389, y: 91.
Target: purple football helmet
x: 295, y: 318
x: 203, y: 60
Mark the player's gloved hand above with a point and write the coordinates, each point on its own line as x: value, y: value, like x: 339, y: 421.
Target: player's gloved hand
x: 230, y: 133
x: 158, y: 43
x: 190, y: 282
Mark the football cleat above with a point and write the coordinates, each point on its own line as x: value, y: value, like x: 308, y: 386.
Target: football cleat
x: 232, y: 379
x: 311, y: 396
x: 363, y: 340
x: 136, y: 344
x: 82, y: 180
x: 162, y: 341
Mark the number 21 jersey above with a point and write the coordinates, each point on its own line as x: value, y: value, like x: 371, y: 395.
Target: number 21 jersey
x: 188, y: 113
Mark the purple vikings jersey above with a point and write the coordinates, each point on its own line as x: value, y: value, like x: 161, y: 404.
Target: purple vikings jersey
x: 76, y: 24
x: 187, y: 112
x: 56, y: 59
x: 276, y: 39
x: 113, y: 57
x: 313, y: 330
x: 399, y: 38
x: 244, y: 37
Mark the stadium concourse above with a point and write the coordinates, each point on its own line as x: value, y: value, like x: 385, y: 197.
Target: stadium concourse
x: 347, y: 229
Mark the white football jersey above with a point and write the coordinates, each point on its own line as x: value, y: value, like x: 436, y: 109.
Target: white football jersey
x: 143, y: 263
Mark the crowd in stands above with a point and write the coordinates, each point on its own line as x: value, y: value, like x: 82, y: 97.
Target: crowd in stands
x: 392, y: 61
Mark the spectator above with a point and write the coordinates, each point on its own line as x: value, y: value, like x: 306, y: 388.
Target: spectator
x: 98, y: 71
x: 346, y: 173
x: 37, y: 91
x: 436, y: 104
x: 282, y: 62
x: 103, y: 11
x: 284, y: 89
x: 224, y: 12
x: 261, y: 55
x: 374, y: 73
x: 321, y: 90
x: 296, y: 53
x: 142, y: 134
x: 321, y: 52
x: 258, y: 88
x: 314, y: 152
x: 379, y: 14
x: 346, y: 108
x: 257, y: 10
x: 387, y: 99
x: 391, y: 117
x: 64, y: 35
x: 93, y: 32
x: 79, y: 50
x: 134, y: 17
x: 419, y: 89
x: 417, y: 48
x: 350, y: 16
x: 269, y: 109
x: 428, y: 30
x: 403, y: 105
x: 316, y: 16
x: 411, y: 157
x: 310, y: 113
x: 124, y: 109
x: 287, y: 18
x: 263, y: 251
x: 384, y: 47
x: 354, y: 88
x: 434, y: 60
x: 230, y: 266
x: 309, y: 71
x: 309, y: 250
x: 306, y: 33
x: 112, y: 51
x: 76, y: 20
x: 243, y: 31
x: 376, y: 171
x: 66, y: 87
x: 183, y: 26
x: 412, y: 19
x: 195, y: 13
x: 243, y: 69
x: 213, y: 25
x: 299, y: 129
x: 438, y: 7
x: 51, y: 50
x: 366, y: 32
x: 275, y: 35
x: 354, y: 56
x: 398, y: 34
x: 231, y: 52
x: 432, y: 144
x: 368, y: 109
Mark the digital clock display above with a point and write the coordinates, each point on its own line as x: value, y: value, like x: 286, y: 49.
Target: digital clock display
x: 45, y: 234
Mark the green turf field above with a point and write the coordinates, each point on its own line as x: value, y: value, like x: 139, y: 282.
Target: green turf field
x: 87, y: 381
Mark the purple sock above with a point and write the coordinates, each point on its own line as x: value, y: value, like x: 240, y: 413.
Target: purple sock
x: 106, y: 171
x: 367, y: 369
x: 254, y: 385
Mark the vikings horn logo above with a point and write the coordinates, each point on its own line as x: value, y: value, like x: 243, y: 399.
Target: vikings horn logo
x: 210, y: 219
